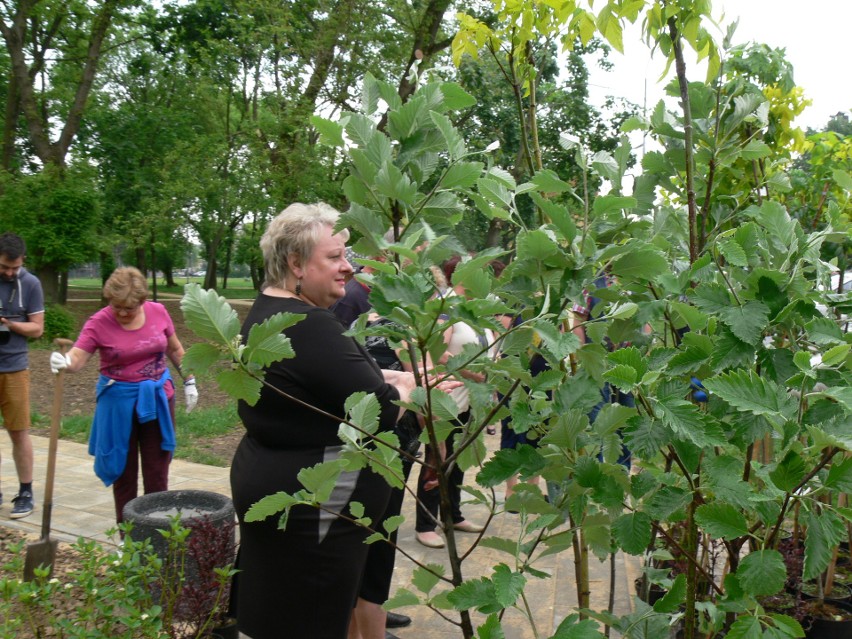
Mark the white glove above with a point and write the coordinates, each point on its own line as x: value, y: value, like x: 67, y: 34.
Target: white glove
x: 190, y: 393
x: 58, y: 361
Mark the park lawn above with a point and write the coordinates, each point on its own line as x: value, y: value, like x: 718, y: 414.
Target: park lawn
x: 204, y: 436
x: 238, y: 288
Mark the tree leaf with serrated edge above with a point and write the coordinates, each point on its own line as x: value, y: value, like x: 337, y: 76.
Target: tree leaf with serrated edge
x: 270, y: 505
x: 491, y: 629
x: 732, y: 251
x: 201, y: 357
x: 320, y: 479
x: 632, y: 532
x: 646, y: 437
x: 454, y: 97
x: 762, y: 572
x: 843, y: 394
x: 721, y: 521
x: 572, y: 627
x: 393, y: 523
x: 825, y: 531
x: 558, y: 215
x: 789, y: 472
x: 630, y: 356
x: 402, y: 597
x: 508, y: 585
x: 824, y: 331
x: 475, y: 594
x: 597, y: 534
x: 363, y: 410
x: 745, y: 627
x: 523, y: 460
x: 208, y: 315
x: 509, y: 546
x: 266, y: 344
x: 587, y: 471
x: 624, y: 377
x: 695, y: 319
x: 711, y: 298
x: 643, y: 263
x: 839, y: 476
x: 745, y: 391
x: 424, y: 578
x: 787, y: 626
x: 674, y: 598
x: 330, y: 133
x: 536, y: 245
x: 667, y: 501
x: 455, y: 142
x: 547, y: 181
x: 239, y: 385
x: 836, y: 355
x: 357, y: 509
x: 607, y: 203
x: 462, y: 175
x: 748, y: 321
x: 689, y: 423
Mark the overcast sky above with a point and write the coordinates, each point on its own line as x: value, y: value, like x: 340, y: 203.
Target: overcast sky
x: 815, y: 34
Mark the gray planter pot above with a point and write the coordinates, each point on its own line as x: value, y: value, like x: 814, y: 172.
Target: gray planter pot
x: 150, y: 513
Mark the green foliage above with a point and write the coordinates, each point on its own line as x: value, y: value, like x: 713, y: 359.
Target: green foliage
x: 58, y: 322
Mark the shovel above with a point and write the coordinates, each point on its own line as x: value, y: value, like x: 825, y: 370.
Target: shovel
x: 43, y: 551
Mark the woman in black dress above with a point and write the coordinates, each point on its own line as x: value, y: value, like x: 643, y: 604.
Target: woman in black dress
x: 302, y: 582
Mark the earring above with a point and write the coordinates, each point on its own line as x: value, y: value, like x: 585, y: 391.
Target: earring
x: 299, y: 287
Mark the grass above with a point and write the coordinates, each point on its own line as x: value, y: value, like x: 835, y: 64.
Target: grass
x: 238, y: 287
x: 194, y: 430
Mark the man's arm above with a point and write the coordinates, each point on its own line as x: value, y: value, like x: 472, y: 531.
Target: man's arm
x: 33, y: 327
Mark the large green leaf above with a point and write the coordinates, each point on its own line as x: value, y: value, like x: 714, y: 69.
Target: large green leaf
x: 840, y: 476
x: 825, y: 531
x: 320, y: 479
x: 745, y: 391
x: 477, y: 594
x: 455, y: 142
x: 674, y: 598
x: 642, y: 262
x: 747, y: 322
x: 789, y: 472
x: 745, y: 627
x: 632, y: 532
x: 208, y: 315
x: 265, y: 342
x: 689, y: 423
x: 721, y: 521
x: 462, y: 175
x: 508, y: 585
x: 427, y: 577
x: 239, y: 385
x: 200, y: 358
x: 762, y: 572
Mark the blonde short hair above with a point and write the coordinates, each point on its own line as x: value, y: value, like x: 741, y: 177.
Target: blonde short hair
x: 294, y: 231
x: 126, y: 285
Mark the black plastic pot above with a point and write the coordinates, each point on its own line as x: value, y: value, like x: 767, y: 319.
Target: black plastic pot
x: 839, y: 593
x: 228, y: 631
x: 824, y: 628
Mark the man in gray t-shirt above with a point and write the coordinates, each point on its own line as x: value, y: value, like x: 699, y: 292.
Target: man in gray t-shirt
x: 21, y: 318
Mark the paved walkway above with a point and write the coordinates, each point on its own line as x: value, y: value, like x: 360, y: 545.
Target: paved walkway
x: 84, y: 507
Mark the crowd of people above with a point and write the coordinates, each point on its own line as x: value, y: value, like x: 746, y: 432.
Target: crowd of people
x: 316, y: 576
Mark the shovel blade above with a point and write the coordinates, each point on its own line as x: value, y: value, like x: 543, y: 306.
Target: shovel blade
x: 39, y: 553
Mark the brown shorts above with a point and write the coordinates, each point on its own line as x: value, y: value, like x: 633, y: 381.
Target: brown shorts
x: 15, y: 400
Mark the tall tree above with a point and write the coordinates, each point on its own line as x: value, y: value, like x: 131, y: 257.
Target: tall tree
x: 55, y: 49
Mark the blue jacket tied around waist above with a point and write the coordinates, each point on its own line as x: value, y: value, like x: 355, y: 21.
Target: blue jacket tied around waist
x: 113, y: 420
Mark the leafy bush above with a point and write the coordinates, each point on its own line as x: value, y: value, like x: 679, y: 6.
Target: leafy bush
x: 59, y: 322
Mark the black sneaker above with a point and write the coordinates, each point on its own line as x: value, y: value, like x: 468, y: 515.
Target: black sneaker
x: 22, y: 504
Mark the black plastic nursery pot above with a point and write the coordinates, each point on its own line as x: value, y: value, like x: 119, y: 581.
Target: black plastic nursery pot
x: 833, y: 622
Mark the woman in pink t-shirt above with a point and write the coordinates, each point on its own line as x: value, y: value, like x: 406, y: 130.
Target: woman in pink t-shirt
x: 134, y: 414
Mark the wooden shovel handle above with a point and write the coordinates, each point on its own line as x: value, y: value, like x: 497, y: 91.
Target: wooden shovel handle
x: 55, y: 421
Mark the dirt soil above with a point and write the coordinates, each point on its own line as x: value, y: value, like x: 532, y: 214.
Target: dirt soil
x: 79, y: 391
